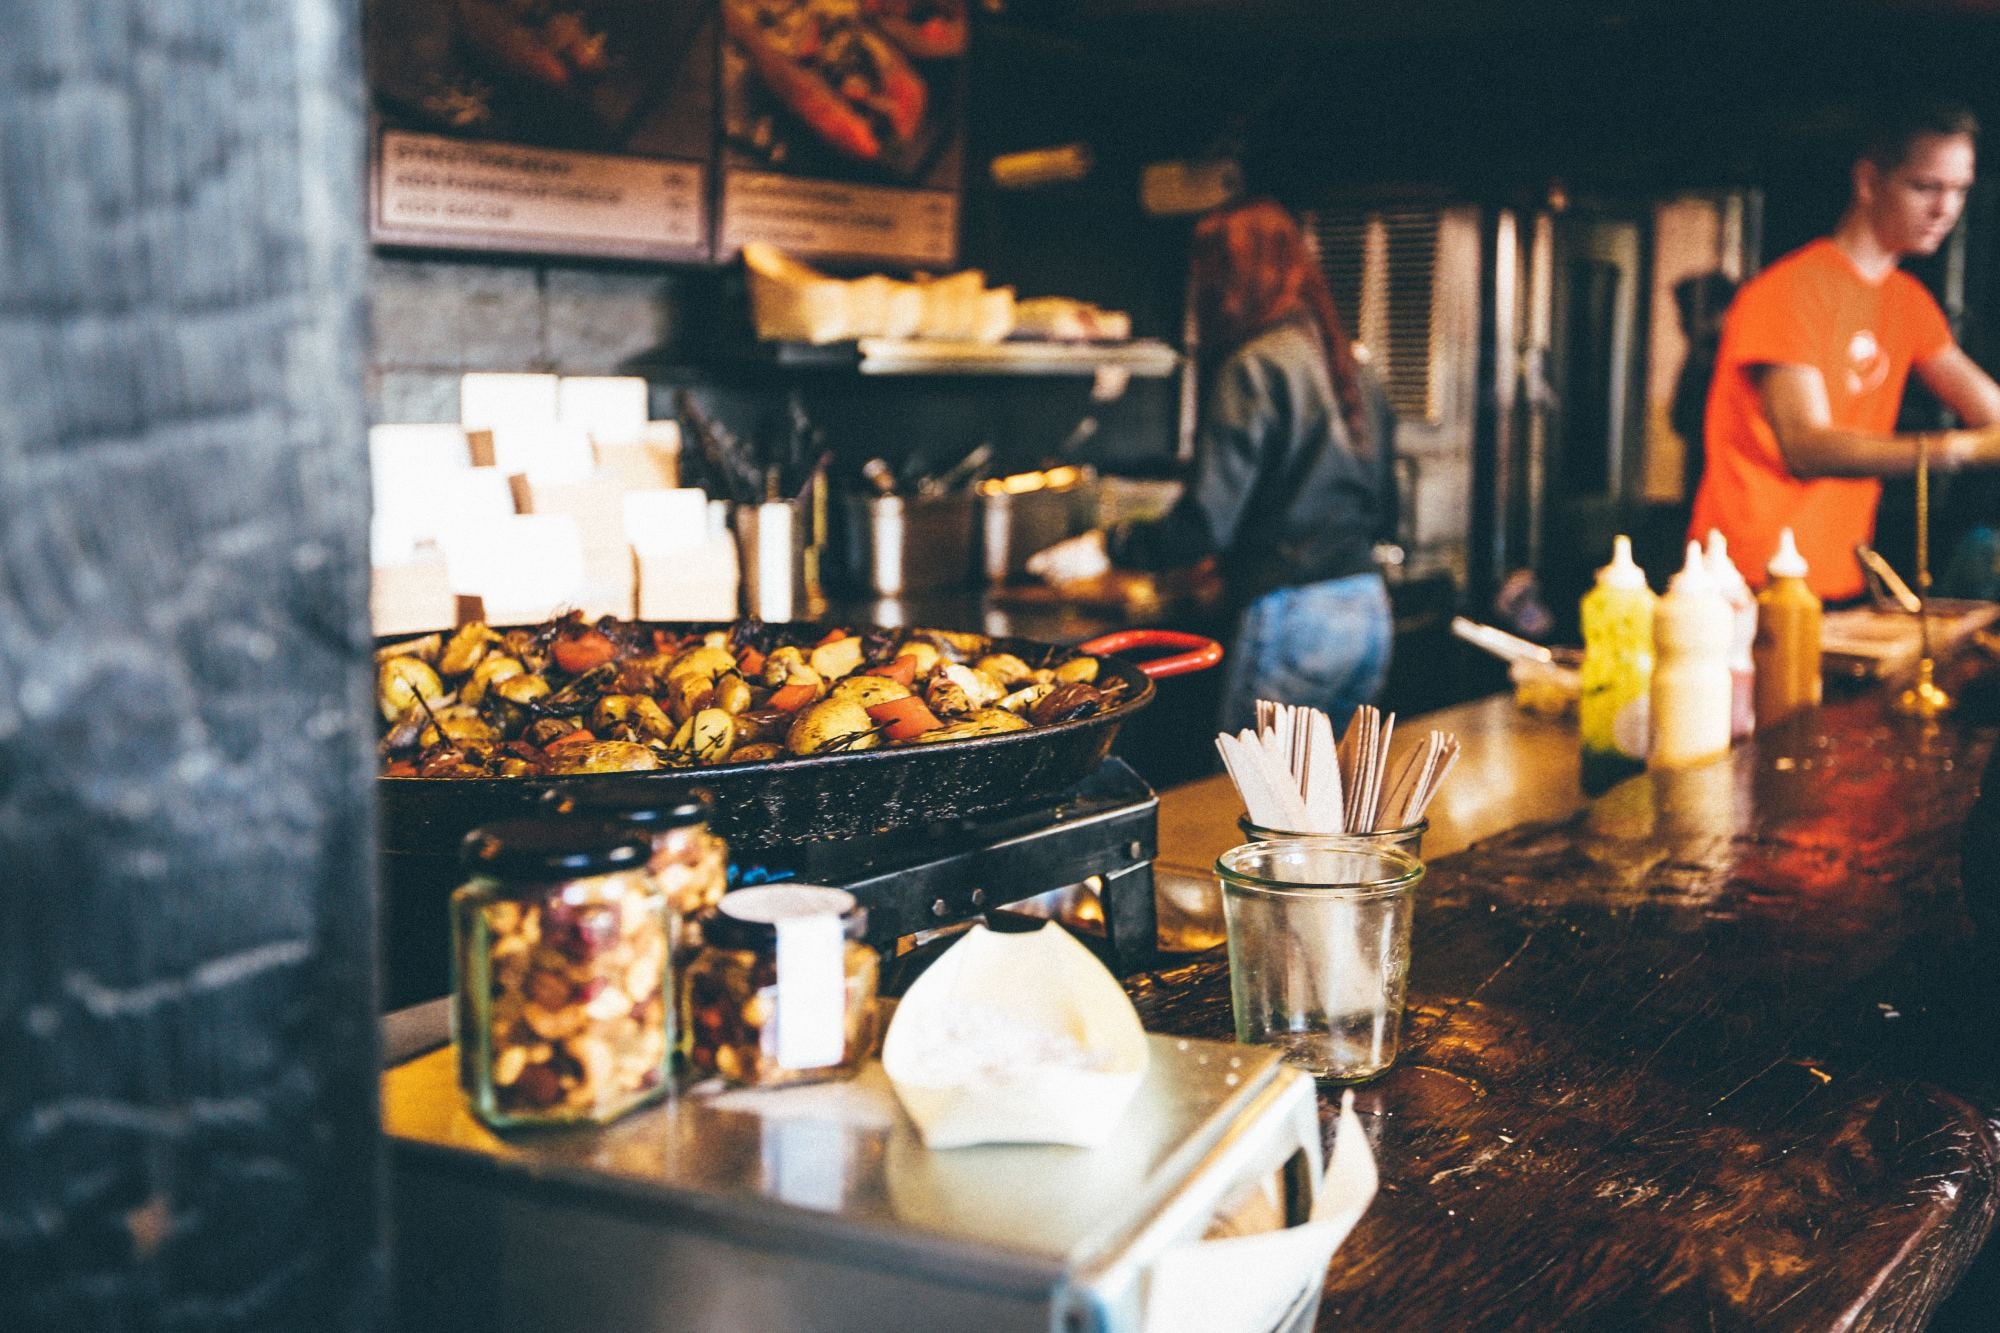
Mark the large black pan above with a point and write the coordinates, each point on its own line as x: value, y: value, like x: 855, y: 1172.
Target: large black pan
x: 764, y: 806
x: 785, y: 801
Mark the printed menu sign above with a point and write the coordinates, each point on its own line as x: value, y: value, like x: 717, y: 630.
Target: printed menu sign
x: 843, y: 128
x: 808, y: 217
x: 433, y: 187
x: 544, y: 126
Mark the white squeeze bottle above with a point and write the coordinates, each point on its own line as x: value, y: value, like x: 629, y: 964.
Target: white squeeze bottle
x: 1743, y: 633
x: 1691, y: 690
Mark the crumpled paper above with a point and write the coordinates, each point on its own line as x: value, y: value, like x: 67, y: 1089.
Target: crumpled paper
x: 1015, y: 1038
x: 1245, y: 1283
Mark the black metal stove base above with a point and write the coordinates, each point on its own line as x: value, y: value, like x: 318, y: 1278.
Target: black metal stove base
x: 918, y: 880
x: 911, y: 881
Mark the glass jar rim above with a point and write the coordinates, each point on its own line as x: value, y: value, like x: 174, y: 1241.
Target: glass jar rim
x: 549, y: 850
x: 1258, y: 833
x: 1399, y: 882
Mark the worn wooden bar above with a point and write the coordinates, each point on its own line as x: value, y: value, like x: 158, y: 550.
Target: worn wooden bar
x: 1698, y: 1054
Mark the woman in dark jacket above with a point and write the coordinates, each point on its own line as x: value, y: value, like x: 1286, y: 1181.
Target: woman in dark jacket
x: 1293, y: 483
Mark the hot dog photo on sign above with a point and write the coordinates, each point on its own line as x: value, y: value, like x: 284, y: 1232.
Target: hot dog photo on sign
x: 863, y: 90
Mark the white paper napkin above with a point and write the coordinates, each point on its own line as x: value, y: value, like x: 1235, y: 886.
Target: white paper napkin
x: 976, y: 1056
x: 1245, y: 1284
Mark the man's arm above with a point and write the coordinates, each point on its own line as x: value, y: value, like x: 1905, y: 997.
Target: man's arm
x: 1795, y: 401
x: 1965, y: 388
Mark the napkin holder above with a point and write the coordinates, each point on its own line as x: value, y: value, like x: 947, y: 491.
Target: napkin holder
x: 819, y: 1210
x: 977, y: 985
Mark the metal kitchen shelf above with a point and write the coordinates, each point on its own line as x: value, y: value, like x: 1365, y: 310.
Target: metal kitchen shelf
x: 1144, y: 358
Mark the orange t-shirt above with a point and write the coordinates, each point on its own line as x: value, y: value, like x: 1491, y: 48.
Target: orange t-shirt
x: 1810, y: 308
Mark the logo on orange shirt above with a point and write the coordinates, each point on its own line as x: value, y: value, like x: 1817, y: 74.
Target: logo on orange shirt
x: 1867, y: 366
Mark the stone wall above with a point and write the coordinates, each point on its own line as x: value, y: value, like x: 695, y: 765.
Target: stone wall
x: 187, y: 1109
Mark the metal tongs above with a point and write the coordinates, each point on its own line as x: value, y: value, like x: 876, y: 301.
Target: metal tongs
x: 1885, y: 586
x: 1507, y: 647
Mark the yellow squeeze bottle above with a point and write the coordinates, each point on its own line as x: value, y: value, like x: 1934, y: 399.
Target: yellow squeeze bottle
x: 1617, y: 670
x: 1788, y: 629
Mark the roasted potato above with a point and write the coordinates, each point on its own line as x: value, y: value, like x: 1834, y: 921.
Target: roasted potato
x: 465, y: 649
x: 401, y: 681
x: 1080, y: 669
x: 606, y: 757
x: 1006, y: 668
x: 868, y: 690
x: 981, y: 722
x: 832, y: 724
x: 706, y: 738
x: 836, y: 659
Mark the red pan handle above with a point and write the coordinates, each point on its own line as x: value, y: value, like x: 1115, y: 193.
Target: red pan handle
x: 1202, y: 653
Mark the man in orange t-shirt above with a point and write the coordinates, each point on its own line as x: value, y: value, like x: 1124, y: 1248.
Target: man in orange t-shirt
x: 1815, y: 353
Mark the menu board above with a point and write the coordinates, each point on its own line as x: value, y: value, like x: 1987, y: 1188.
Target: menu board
x: 843, y: 128
x: 544, y: 126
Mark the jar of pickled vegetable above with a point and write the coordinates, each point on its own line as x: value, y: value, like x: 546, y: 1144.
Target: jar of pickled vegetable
x: 560, y: 973
x: 782, y: 990
x: 690, y: 863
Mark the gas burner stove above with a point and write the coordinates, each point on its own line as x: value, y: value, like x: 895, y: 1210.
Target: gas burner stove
x: 1104, y: 834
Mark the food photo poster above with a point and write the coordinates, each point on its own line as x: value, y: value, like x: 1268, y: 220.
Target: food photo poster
x: 561, y: 127
x: 843, y: 128
x: 670, y: 129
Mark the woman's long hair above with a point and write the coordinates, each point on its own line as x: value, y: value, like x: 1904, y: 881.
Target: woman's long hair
x: 1254, y: 269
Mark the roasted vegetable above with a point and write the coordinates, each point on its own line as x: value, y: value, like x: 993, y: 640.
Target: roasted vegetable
x: 904, y: 719
x: 467, y: 646
x: 981, y: 689
x: 606, y: 757
x: 400, y: 682
x: 836, y: 658
x: 578, y: 653
x: 574, y: 696
x: 983, y: 722
x: 706, y: 738
x: 869, y: 690
x: 832, y: 724
x: 1082, y: 669
x: 1006, y: 668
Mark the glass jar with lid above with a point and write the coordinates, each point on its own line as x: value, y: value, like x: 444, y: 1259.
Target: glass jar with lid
x: 690, y: 863
x: 782, y: 990
x: 560, y: 973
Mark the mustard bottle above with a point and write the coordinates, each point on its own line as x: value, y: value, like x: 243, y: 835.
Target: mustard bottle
x: 1787, y: 646
x: 1617, y: 670
x: 1691, y: 626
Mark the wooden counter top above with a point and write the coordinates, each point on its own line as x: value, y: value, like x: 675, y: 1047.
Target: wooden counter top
x: 1693, y: 1055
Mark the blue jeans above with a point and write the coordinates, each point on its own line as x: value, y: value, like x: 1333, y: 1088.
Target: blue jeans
x: 1322, y: 644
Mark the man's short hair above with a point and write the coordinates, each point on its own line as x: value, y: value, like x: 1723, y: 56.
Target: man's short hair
x: 1886, y: 139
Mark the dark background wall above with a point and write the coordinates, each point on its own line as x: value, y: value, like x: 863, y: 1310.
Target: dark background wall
x: 187, y: 1104
x: 1611, y: 105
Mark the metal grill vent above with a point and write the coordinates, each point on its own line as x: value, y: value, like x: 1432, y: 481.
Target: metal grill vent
x: 1381, y: 268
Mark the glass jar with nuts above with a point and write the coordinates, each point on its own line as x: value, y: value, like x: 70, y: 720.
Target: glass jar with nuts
x: 560, y: 966
x: 782, y: 990
x: 690, y: 863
